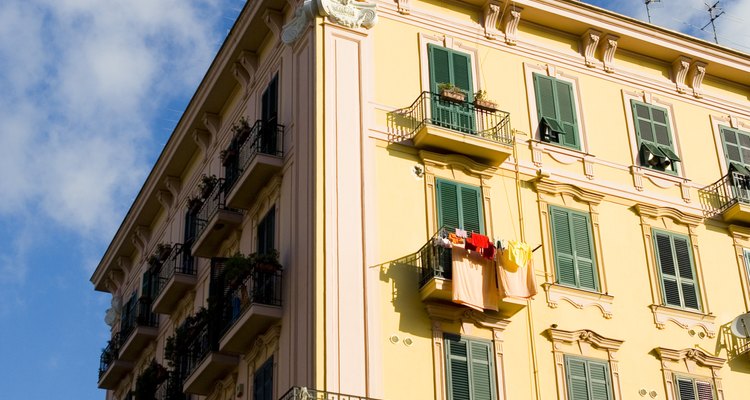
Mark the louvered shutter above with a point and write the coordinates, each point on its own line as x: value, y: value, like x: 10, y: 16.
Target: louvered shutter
x: 566, y: 112
x: 545, y: 97
x: 461, y: 69
x: 447, y: 200
x: 642, y: 116
x: 670, y: 285
x: 459, y: 387
x: 266, y: 232
x: 263, y: 381
x: 471, y: 209
x: 685, y: 389
x: 747, y: 263
x: 269, y: 114
x: 688, y: 286
x: 584, y: 251
x: 563, y: 247
x: 598, y: 380
x: 440, y: 72
x: 705, y: 390
x: 575, y: 371
x: 482, y: 377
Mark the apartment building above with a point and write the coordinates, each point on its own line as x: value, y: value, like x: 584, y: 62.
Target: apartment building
x: 449, y: 200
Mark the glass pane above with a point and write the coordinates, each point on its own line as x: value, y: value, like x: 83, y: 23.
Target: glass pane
x: 644, y: 127
x: 662, y: 135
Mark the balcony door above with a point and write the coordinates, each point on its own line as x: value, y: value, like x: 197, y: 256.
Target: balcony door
x: 269, y: 113
x: 453, y: 67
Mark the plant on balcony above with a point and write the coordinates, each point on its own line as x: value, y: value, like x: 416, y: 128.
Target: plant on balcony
x: 267, y: 262
x: 207, y: 185
x: 177, y: 345
x: 241, y: 130
x: 194, y: 204
x: 228, y: 155
x: 482, y: 102
x: 237, y: 268
x: 451, y: 92
x: 149, y: 380
x: 161, y: 253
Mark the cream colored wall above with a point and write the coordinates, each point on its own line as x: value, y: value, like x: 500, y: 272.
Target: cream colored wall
x: 603, y: 101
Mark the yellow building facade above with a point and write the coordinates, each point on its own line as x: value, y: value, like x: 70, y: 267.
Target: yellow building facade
x: 343, y: 148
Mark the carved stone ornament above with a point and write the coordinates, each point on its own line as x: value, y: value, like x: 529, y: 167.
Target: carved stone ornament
x: 349, y: 13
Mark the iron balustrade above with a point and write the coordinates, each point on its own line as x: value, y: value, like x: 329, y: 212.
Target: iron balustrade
x: 179, y: 262
x: 170, y: 389
x: 137, y: 314
x: 213, y: 203
x: 199, y: 347
x: 260, y: 287
x: 303, y: 393
x: 433, y: 260
x: 264, y: 138
x: 731, y: 189
x: 109, y: 354
x: 465, y: 117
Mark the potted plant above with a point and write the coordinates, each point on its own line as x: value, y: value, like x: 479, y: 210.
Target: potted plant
x: 163, y: 250
x: 228, y: 155
x: 194, y: 204
x: 267, y: 262
x: 206, y: 185
x: 451, y: 92
x: 482, y: 102
x: 241, y: 130
x: 149, y: 380
x: 236, y: 269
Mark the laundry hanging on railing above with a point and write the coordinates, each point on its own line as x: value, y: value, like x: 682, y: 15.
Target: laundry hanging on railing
x: 474, y: 281
x: 516, y: 272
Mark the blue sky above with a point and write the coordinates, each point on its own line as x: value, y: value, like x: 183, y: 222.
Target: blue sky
x: 89, y: 92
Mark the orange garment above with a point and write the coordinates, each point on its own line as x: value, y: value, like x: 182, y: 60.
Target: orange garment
x: 455, y: 239
x: 474, y: 280
x: 517, y: 283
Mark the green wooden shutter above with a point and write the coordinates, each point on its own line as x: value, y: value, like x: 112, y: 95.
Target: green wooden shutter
x: 575, y: 371
x: 747, y: 263
x: 584, y: 250
x: 685, y: 389
x: 567, y: 113
x: 266, y: 232
x: 705, y: 390
x: 736, y: 146
x: 679, y: 284
x: 471, y: 209
x: 544, y: 88
x: 563, y: 247
x: 448, y: 66
x: 440, y: 70
x: 457, y: 368
x: 688, y: 285
x: 447, y: 200
x: 653, y: 130
x: 665, y: 259
x: 263, y: 381
x: 482, y: 371
x: 599, y: 380
x: 459, y: 206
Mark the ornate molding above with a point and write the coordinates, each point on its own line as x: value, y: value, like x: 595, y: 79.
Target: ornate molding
x: 608, y: 47
x: 302, y: 16
x: 695, y: 76
x: 212, y: 122
x: 548, y: 186
x: 348, y: 13
x: 590, y: 40
x: 651, y: 211
x: 680, y: 68
x: 442, y: 161
x: 241, y: 75
x: 583, y: 335
x: 202, y: 138
x: 510, y: 24
x: 453, y: 313
x: 174, y: 185
x: 124, y: 264
x: 698, y: 355
x: 165, y: 198
x: 265, y: 343
x: 684, y: 319
x: 274, y: 20
x: 491, y: 12
x: 402, y: 6
x: 578, y: 298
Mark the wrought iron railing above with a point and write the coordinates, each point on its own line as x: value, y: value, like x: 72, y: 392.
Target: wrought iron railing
x: 199, y: 347
x: 180, y: 261
x: 303, y: 393
x: 109, y: 354
x: 465, y: 117
x: 213, y: 203
x: 264, y: 138
x: 138, y: 314
x: 170, y: 389
x: 260, y: 287
x: 434, y: 260
x: 731, y: 189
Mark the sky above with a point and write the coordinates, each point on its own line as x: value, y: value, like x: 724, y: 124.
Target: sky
x: 90, y: 90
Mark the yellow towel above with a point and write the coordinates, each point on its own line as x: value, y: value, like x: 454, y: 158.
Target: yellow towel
x: 516, y: 255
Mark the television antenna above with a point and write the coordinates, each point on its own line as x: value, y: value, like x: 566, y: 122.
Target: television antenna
x: 648, y: 9
x: 711, y: 10
x: 740, y: 327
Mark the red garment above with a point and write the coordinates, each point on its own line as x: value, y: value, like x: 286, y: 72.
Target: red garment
x: 489, y: 252
x: 479, y: 241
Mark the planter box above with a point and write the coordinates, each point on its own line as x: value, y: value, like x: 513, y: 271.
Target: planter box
x: 486, y: 105
x: 454, y: 96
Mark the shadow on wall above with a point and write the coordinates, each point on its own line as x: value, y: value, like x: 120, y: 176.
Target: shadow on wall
x: 738, y: 350
x: 403, y: 277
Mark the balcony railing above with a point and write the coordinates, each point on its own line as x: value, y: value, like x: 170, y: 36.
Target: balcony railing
x: 261, y: 287
x: 303, y: 393
x: 214, y: 221
x: 464, y: 117
x: 171, y: 389
x: 140, y: 314
x: 109, y: 354
x: 179, y: 262
x: 198, y: 349
x: 111, y: 368
x: 264, y: 138
x: 213, y: 204
x: 175, y: 276
x: 718, y: 197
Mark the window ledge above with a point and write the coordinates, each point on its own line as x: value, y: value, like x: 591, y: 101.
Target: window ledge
x: 579, y: 298
x: 563, y: 155
x: 685, y: 319
x: 661, y: 179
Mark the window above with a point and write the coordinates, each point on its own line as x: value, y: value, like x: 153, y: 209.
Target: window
x: 736, y: 148
x: 266, y: 232
x: 556, y: 110
x: 263, y: 381
x: 587, y: 379
x: 692, y: 389
x: 459, y: 206
x: 449, y: 66
x: 675, y: 264
x: 269, y: 112
x: 470, y: 370
x: 573, y: 249
x: 746, y: 253
x: 655, y: 144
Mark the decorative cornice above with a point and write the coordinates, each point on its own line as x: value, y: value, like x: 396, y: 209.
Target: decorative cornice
x: 402, y: 6
x: 548, y: 186
x: 739, y: 233
x: 584, y: 335
x: 174, y: 185
x: 608, y: 46
x: 684, y: 319
x: 454, y: 313
x: 680, y: 68
x: 212, y: 122
x: 578, y: 298
x: 274, y: 20
x: 165, y: 198
x: 695, y: 76
x: 430, y: 159
x: 202, y: 138
x: 241, y: 75
x: 491, y: 12
x: 510, y: 24
x: 268, y: 339
x: 651, y: 211
x: 348, y: 13
x: 697, y: 355
x: 590, y: 41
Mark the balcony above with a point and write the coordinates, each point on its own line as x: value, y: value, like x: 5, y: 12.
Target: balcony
x: 434, y: 264
x: 138, y: 328
x: 259, y: 157
x: 176, y: 276
x: 728, y: 197
x: 170, y: 389
x: 435, y: 123
x: 252, y: 307
x: 303, y: 393
x: 214, y: 222
x: 111, y: 368
x: 204, y: 365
